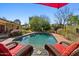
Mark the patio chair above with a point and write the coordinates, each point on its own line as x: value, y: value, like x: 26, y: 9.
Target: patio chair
x: 15, y: 49
x: 63, y: 50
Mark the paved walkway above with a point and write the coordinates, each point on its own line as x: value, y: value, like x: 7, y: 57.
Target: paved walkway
x: 3, y: 35
x: 7, y: 40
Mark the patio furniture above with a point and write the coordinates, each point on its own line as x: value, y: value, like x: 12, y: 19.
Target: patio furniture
x: 15, y: 49
x: 63, y: 50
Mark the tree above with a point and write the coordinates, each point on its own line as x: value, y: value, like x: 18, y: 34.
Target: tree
x: 73, y: 20
x: 17, y: 21
x: 38, y: 23
x: 63, y: 15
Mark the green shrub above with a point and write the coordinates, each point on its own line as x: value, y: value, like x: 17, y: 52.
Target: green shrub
x: 15, y: 34
x: 26, y: 31
x: 38, y: 23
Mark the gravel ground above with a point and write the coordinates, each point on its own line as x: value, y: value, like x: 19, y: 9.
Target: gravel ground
x: 39, y: 52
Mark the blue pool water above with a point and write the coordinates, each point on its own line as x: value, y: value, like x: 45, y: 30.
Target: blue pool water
x: 37, y: 40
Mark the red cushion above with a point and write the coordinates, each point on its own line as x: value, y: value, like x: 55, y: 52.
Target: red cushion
x: 4, y: 51
x: 60, y: 48
x: 70, y: 49
x: 15, y: 50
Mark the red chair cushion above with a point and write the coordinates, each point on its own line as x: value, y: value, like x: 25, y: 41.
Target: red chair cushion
x: 4, y: 51
x: 70, y: 49
x: 15, y: 50
x: 60, y: 48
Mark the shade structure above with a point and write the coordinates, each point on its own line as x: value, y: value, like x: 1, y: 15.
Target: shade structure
x: 55, y: 5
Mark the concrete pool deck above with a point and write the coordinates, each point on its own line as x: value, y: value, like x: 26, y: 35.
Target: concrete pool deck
x: 59, y: 37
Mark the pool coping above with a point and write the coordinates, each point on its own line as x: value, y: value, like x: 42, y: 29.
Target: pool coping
x: 58, y: 37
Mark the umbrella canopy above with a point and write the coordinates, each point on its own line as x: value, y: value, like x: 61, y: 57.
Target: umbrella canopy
x: 55, y: 5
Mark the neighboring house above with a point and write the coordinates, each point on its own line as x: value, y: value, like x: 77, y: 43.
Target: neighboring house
x: 6, y: 26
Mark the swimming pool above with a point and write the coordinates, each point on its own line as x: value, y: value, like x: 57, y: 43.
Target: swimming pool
x: 37, y: 39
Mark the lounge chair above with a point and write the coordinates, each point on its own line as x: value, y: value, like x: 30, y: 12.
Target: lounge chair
x: 15, y: 49
x: 63, y: 50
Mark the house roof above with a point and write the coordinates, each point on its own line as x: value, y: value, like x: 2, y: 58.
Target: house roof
x: 8, y: 21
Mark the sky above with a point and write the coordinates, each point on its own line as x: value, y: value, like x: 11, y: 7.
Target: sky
x: 23, y: 11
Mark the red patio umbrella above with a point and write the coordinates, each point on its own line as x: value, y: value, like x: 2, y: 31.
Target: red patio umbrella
x: 55, y: 5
